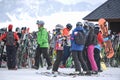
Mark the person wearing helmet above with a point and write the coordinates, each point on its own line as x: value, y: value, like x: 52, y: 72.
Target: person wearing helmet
x: 43, y: 44
x: 91, y: 41
x: 77, y: 50
x: 59, y: 43
x: 79, y: 24
x: 10, y: 38
x: 66, y: 31
x: 18, y: 31
x: 97, y: 48
x: 66, y: 54
x: 58, y: 30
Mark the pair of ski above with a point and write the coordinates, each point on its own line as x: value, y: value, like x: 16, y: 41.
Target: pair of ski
x: 51, y: 74
x: 60, y: 74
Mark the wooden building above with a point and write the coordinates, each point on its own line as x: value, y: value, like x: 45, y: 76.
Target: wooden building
x: 110, y: 10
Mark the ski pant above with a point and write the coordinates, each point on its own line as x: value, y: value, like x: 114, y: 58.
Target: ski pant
x: 79, y: 60
x: 58, y: 60
x: 1, y: 54
x: 90, y: 52
x: 85, y: 56
x: 97, y: 57
x: 11, y: 57
x: 66, y: 54
x: 0, y: 60
x: 51, y: 50
x: 38, y: 53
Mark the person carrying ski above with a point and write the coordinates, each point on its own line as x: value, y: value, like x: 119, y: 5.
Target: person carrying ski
x: 99, y: 46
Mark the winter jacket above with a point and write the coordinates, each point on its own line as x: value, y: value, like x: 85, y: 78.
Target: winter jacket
x: 74, y: 46
x: 42, y: 38
x: 66, y: 33
x: 5, y: 35
x: 59, y: 42
x: 91, y: 38
x: 100, y: 40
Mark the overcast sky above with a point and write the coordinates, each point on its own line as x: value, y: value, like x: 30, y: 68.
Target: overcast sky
x: 69, y: 2
x: 53, y: 18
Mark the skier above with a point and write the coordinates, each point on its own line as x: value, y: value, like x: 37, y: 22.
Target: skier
x: 43, y: 44
x: 66, y: 54
x: 77, y: 50
x: 11, y: 39
x: 59, y: 43
x: 98, y: 47
x: 91, y: 41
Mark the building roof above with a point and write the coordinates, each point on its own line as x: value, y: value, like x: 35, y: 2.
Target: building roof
x: 110, y: 10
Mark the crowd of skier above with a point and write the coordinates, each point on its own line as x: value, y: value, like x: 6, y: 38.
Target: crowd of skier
x: 81, y: 47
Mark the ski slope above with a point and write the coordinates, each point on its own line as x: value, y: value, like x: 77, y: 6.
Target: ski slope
x: 30, y: 74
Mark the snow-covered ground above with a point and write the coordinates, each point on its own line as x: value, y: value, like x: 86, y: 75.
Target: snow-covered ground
x: 30, y: 74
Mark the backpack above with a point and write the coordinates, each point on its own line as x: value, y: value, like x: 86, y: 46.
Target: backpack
x: 80, y: 38
x: 10, y: 38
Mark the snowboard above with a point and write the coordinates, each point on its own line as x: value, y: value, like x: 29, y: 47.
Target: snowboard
x: 107, y: 44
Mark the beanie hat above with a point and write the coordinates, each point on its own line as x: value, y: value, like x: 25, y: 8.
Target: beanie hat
x: 10, y: 27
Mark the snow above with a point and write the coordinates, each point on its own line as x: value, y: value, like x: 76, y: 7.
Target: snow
x: 30, y: 74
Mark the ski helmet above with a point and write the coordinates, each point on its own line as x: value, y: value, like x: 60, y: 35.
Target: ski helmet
x: 78, y: 24
x: 59, y: 26
x: 86, y: 25
x: 96, y: 29
x: 18, y: 29
x: 91, y: 25
x: 40, y: 22
x: 69, y: 26
x: 96, y: 26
